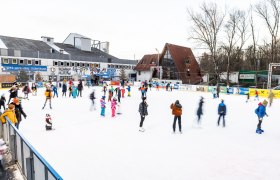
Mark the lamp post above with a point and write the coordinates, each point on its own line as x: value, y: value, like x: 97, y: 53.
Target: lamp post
x: 157, y: 64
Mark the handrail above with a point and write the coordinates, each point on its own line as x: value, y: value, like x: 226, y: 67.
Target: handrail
x: 35, y: 152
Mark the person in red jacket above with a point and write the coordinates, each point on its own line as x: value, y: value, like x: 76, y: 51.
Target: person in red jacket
x: 177, y: 112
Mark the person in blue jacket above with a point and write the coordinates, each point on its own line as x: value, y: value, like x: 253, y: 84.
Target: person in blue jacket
x: 222, y: 110
x: 54, y: 88
x: 261, y: 112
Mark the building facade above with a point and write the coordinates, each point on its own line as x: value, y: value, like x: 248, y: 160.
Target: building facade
x: 77, y: 57
x: 173, y: 63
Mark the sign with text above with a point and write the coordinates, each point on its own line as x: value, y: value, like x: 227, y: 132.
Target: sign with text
x: 15, y: 67
x: 247, y: 76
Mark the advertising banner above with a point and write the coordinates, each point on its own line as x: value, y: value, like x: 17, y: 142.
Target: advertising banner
x: 15, y: 67
x: 243, y: 91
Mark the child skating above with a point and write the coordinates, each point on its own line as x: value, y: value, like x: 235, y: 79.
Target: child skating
x: 103, y: 106
x: 113, y: 106
x: 49, y: 122
x: 261, y: 112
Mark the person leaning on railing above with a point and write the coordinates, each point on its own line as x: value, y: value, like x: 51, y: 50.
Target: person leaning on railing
x: 10, y: 113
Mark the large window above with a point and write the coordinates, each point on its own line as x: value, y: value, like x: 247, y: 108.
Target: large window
x: 14, y: 61
x: 5, y: 61
x: 29, y: 62
x: 21, y: 61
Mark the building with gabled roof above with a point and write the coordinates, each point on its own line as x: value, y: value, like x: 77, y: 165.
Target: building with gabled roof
x: 173, y: 63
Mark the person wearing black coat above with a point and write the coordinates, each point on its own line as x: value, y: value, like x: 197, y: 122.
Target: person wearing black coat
x: 199, y: 110
x: 143, y: 110
x: 2, y: 101
x: 18, y: 111
x: 13, y: 93
x: 64, y: 89
x: 80, y: 88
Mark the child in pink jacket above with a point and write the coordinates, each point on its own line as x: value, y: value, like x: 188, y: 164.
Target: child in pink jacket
x: 113, y: 106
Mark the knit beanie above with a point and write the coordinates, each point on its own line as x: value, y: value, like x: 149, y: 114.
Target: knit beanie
x: 265, y: 102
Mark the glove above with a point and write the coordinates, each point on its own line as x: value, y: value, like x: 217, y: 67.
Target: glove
x: 24, y: 116
x: 266, y: 115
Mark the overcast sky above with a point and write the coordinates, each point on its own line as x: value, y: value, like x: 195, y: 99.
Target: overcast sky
x: 133, y: 27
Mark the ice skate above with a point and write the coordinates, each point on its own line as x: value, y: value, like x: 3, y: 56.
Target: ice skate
x: 141, y: 129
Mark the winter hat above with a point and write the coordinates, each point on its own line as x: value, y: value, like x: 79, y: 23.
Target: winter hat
x: 103, y: 97
x: 16, y: 100
x: 265, y: 102
x: 177, y: 102
x: 11, y: 106
x: 115, y: 99
x: 222, y: 100
x: 144, y: 98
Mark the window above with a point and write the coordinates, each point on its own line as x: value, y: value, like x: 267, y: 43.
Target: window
x: 187, y: 61
x: 55, y: 63
x: 5, y: 61
x: 14, y: 61
x: 83, y: 65
x: 78, y: 64
x: 87, y: 65
x: 29, y: 62
x: 67, y: 64
x: 21, y: 61
x: 72, y: 64
x: 139, y: 72
x: 36, y: 62
x: 61, y: 64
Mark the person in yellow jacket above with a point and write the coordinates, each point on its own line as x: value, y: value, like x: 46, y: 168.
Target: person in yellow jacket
x: 48, y: 95
x: 10, y: 113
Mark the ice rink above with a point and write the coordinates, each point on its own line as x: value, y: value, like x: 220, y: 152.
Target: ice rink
x: 86, y: 146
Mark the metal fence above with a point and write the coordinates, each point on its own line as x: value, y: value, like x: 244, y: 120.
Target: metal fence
x: 32, y: 164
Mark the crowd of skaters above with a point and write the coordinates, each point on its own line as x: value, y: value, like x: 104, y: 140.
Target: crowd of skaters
x: 114, y: 96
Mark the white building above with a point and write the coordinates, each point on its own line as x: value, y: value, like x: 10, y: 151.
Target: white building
x: 77, y: 57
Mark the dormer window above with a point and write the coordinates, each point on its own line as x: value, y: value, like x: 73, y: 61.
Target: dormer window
x: 187, y: 61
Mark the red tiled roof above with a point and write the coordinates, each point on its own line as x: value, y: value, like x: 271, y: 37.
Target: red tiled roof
x: 146, y: 62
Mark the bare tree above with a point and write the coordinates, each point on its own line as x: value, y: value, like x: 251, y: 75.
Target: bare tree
x: 206, y: 28
x: 268, y: 10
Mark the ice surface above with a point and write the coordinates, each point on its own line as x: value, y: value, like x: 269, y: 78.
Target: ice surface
x: 85, y: 146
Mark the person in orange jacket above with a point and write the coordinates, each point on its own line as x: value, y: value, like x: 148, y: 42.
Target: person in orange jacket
x: 123, y: 91
x: 177, y: 112
x: 48, y: 94
x: 10, y: 113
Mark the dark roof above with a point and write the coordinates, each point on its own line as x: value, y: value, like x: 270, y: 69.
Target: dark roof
x: 24, y: 44
x: 39, y: 49
x: 146, y: 62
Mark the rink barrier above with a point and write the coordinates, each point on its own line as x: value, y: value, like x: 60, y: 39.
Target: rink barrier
x: 33, y: 166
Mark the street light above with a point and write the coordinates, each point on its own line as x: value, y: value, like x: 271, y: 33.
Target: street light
x: 158, y: 69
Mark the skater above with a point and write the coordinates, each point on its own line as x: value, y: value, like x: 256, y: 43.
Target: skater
x: 92, y: 98
x: 214, y: 92
x: 80, y: 88
x: 270, y: 97
x: 13, y: 93
x: 222, y: 110
x: 64, y: 89
x: 143, y: 91
x: 199, y: 110
x: 74, y: 91
x: 103, y: 106
x: 104, y: 90
x: 248, y: 96
x: 113, y: 106
x: 110, y: 94
x: 26, y: 91
x: 256, y: 95
x: 171, y: 87
x: 157, y: 86
x: 70, y: 89
x: 128, y: 90
x: 143, y: 110
x: 34, y: 89
x: 18, y: 110
x: 177, y: 112
x: 218, y: 91
x: 48, y: 122
x: 122, y: 91
x: 54, y: 88
x: 10, y: 113
x: 48, y: 94
x: 2, y: 102
x: 150, y: 85
x: 261, y: 112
